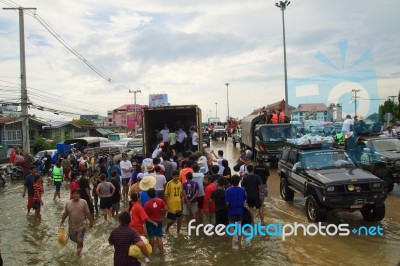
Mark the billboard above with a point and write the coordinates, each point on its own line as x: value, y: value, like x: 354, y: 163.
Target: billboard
x: 131, y: 119
x: 158, y: 100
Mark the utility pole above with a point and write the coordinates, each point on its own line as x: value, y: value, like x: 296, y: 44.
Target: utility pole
x: 135, y: 120
x: 355, y: 101
x: 227, y: 97
x: 24, y: 94
x: 282, y: 5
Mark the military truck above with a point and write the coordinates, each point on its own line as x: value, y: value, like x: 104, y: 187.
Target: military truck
x: 265, y: 140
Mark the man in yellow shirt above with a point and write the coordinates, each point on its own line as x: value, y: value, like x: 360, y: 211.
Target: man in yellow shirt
x: 173, y: 196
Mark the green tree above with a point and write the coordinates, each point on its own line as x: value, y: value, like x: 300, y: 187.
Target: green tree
x: 389, y: 106
x: 42, y: 144
x: 374, y: 117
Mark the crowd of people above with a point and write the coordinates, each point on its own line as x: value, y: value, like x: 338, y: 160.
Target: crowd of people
x: 199, y: 186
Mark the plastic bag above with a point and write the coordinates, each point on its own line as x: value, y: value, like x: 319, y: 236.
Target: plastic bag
x: 62, y: 236
x: 134, y: 251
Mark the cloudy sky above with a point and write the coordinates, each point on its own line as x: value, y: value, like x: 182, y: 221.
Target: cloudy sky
x: 190, y: 49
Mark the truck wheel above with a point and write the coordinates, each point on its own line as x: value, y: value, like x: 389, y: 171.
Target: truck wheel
x: 314, y: 210
x: 385, y: 175
x: 375, y: 213
x: 286, y: 193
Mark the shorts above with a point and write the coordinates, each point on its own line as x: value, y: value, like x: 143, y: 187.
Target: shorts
x: 254, y: 202
x: 200, y: 201
x: 236, y: 218
x: 154, y: 231
x: 80, y: 235
x: 58, y: 185
x: 173, y: 147
x: 115, y: 206
x: 221, y: 217
x: 36, y: 205
x: 30, y: 202
x: 190, y: 208
x: 174, y: 216
x: 125, y: 181
x: 105, y: 203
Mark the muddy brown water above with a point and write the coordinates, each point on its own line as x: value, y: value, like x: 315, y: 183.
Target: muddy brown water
x: 25, y: 243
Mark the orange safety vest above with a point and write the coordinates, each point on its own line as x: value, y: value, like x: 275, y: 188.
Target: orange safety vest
x: 281, y: 117
x: 274, y: 119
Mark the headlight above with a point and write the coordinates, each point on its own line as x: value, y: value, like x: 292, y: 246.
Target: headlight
x: 350, y: 187
x: 376, y: 185
x: 330, y: 189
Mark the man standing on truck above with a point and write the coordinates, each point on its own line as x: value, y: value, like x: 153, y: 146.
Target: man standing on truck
x: 195, y: 139
x: 181, y: 139
x: 281, y: 116
x: 164, y: 133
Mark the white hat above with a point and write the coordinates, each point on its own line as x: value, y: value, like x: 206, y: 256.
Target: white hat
x: 147, y: 182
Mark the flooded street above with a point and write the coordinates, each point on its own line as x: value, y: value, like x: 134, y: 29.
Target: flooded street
x: 25, y: 243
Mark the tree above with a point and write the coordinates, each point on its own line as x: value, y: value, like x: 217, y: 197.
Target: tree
x: 389, y: 106
x: 42, y: 144
x: 374, y: 117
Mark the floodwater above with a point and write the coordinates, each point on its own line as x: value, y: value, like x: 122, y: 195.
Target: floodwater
x: 23, y: 242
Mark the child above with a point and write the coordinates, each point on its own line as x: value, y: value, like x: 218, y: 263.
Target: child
x: 218, y: 196
x: 173, y: 196
x: 37, y: 197
x: 235, y: 198
x: 154, y: 208
x: 208, y: 205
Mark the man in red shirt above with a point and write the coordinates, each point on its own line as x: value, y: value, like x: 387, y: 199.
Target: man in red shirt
x: 154, y: 208
x: 138, y: 215
x: 209, y: 205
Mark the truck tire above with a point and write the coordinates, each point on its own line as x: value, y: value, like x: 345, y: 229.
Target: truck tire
x: 314, y: 210
x: 385, y: 175
x: 375, y: 213
x: 287, y: 194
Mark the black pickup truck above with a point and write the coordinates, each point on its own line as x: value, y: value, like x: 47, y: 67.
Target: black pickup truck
x: 329, y: 181
x: 381, y: 156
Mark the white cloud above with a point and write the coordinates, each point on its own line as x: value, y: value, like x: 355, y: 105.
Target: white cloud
x: 190, y: 49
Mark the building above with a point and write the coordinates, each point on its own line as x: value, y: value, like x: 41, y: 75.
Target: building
x: 97, y: 120
x: 312, y: 111
x: 11, y: 133
x: 67, y: 130
x: 124, y: 116
x: 9, y: 110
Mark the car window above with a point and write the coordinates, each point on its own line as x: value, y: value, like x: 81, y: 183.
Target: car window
x: 292, y: 157
x: 285, y: 154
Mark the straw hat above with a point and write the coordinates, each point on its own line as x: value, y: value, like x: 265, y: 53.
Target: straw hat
x: 150, y: 167
x: 147, y: 182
